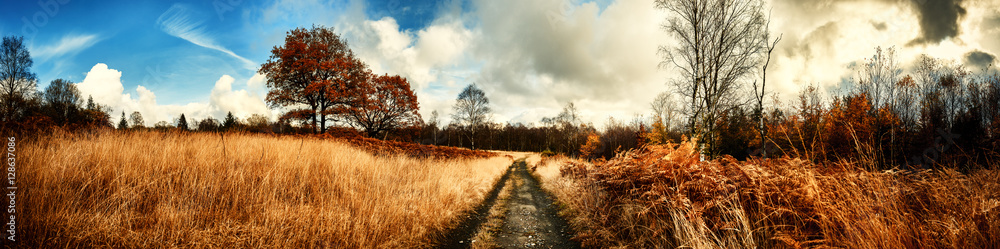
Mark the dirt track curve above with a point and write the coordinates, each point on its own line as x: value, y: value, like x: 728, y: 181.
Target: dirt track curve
x: 531, y: 220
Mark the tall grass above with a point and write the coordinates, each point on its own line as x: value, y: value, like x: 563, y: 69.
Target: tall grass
x: 152, y: 189
x: 663, y: 196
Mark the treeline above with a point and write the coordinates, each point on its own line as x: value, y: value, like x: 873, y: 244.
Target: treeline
x: 314, y: 75
x: 939, y: 114
x: 563, y: 134
x: 29, y: 110
x: 556, y: 138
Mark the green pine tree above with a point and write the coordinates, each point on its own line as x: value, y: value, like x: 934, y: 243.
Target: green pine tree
x: 229, y: 122
x: 182, y: 123
x: 123, y: 124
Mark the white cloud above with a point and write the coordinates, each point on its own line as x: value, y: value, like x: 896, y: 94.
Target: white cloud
x: 68, y: 45
x: 540, y: 55
x: 431, y: 59
x: 258, y: 81
x: 532, y: 57
x: 822, y: 38
x: 178, y: 22
x: 105, y: 85
x: 529, y: 68
x: 240, y: 102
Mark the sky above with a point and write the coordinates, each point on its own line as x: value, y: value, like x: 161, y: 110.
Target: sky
x: 531, y: 57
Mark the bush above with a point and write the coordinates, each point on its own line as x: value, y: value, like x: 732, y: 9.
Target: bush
x: 548, y: 153
x: 664, y: 196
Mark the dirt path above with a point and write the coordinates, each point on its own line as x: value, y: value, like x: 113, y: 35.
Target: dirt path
x: 462, y: 235
x: 531, y: 220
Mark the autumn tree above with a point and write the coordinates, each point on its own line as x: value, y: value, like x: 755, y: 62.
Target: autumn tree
x: 471, y: 111
x: 17, y: 82
x: 718, y: 45
x: 315, y: 74
x: 592, y: 148
x: 387, y: 103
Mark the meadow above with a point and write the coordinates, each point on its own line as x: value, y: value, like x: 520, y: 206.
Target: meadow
x: 200, y: 190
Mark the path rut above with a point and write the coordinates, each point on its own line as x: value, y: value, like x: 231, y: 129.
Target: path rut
x: 531, y: 220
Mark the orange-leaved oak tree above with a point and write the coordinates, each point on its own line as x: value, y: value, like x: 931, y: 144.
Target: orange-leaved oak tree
x: 314, y: 74
x: 386, y: 104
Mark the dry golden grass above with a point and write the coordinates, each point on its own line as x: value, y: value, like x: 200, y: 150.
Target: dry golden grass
x: 665, y: 197
x: 151, y: 189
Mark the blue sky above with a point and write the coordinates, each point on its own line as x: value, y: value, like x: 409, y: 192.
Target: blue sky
x: 127, y: 37
x: 532, y: 57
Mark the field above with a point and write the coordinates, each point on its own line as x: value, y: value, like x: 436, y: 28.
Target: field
x: 154, y: 189
x: 663, y: 196
x: 200, y: 190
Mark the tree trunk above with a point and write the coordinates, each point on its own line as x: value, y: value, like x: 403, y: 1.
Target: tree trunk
x: 322, y: 119
x: 314, y: 121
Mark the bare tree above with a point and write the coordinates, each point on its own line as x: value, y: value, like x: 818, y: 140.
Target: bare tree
x: 570, y: 116
x: 63, y: 99
x: 432, y: 127
x: 665, y: 109
x: 719, y: 42
x: 471, y: 110
x: 759, y: 95
x: 17, y: 82
x: 136, y: 119
x: 878, y: 76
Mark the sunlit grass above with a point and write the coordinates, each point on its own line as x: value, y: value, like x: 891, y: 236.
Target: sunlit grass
x: 152, y: 189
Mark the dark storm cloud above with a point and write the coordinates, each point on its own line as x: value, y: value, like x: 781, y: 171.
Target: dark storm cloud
x: 939, y: 19
x: 979, y: 59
